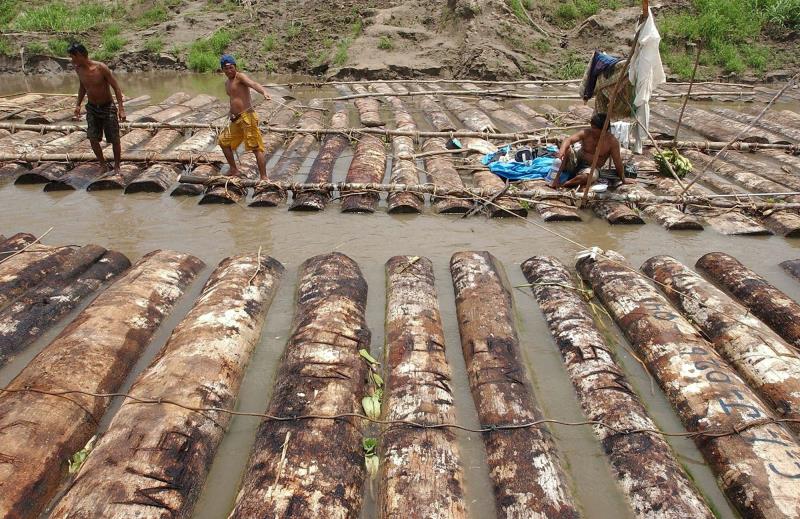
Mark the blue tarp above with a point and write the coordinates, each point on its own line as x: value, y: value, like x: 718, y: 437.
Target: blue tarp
x: 536, y: 170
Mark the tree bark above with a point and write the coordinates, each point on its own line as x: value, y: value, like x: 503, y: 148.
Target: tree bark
x: 39, y: 432
x: 421, y: 470
x: 472, y: 118
x: 755, y: 469
x: 153, y: 459
x: 645, y: 466
x: 314, y: 467
x: 523, y: 463
x: 442, y: 174
x: 28, y: 269
x: 404, y: 170
x: 369, y: 165
x: 779, y: 311
x: 792, y: 267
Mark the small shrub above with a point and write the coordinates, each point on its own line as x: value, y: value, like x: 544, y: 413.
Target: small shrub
x: 201, y: 60
x: 154, y: 45
x: 572, y: 68
x: 8, y: 10
x: 755, y: 56
x: 385, y: 43
x: 679, y: 63
x: 269, y: 42
x: 587, y: 7
x: 112, y: 41
x: 542, y: 45
x: 356, y: 28
x: 220, y: 40
x: 340, y: 58
x: 35, y: 47
x: 567, y: 12
x: 785, y: 13
x: 204, y: 53
x: 5, y: 47
x: 58, y: 46
x: 518, y: 8
x: 270, y: 66
x: 293, y: 29
x: 153, y: 16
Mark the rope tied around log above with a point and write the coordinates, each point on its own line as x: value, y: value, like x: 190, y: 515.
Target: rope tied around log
x: 710, y: 433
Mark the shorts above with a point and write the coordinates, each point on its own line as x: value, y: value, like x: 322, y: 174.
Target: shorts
x: 102, y: 119
x: 243, y: 129
x: 577, y: 165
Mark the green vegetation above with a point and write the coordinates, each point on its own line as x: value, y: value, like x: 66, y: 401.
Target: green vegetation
x: 567, y: 13
x: 727, y: 31
x: 5, y: 47
x: 293, y: 29
x: 519, y: 7
x: 8, y: 10
x: 59, y: 17
x: 356, y: 28
x: 385, y: 43
x: 154, y: 45
x: 270, y: 66
x: 204, y: 53
x: 35, y: 47
x: 269, y: 42
x: 340, y: 58
x: 572, y: 68
x: 153, y: 16
x: 58, y: 46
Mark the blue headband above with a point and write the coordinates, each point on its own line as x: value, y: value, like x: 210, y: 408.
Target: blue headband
x: 225, y: 59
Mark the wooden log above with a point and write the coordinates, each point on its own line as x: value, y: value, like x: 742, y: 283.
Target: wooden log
x: 512, y: 120
x: 751, y: 181
x: 616, y: 213
x: 669, y: 216
x: 523, y: 463
x: 714, y: 126
x: 551, y: 210
x: 421, y: 471
x: 775, y: 308
x: 11, y: 170
x: 645, y: 466
x: 533, y: 118
x: 30, y: 315
x: 127, y: 173
x: 24, y: 271
x: 78, y: 177
x: 292, y: 158
x: 155, y: 179
x: 761, y: 357
x: 792, y: 267
x: 368, y: 108
x: 369, y: 165
x: 15, y: 243
x: 164, y: 452
x: 39, y: 432
x: 322, y: 169
x: 501, y: 206
x: 755, y: 469
x: 442, y: 174
x: 144, y: 114
x: 750, y: 162
x: 203, y: 171
x: 789, y: 133
x: 314, y: 467
x: 42, y: 174
x: 472, y: 118
x: 404, y: 170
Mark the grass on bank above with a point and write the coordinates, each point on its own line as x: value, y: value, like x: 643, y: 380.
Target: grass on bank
x: 204, y: 53
x: 58, y: 17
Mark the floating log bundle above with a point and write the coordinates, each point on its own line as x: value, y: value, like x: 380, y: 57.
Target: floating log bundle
x: 38, y: 432
x: 762, y: 358
x: 772, y: 306
x: 646, y: 468
x: 523, y: 463
x: 153, y: 459
x: 369, y: 165
x: 31, y: 314
x: 314, y: 467
x: 756, y: 469
x: 421, y: 470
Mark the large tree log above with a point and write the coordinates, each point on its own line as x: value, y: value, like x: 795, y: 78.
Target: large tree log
x: 646, y: 468
x: 203, y: 171
x: 145, y: 114
x: 26, y: 270
x: 438, y: 118
x: 792, y: 267
x: 369, y: 109
x: 421, y: 470
x: 512, y: 120
x: 760, y: 356
x: 30, y: 315
x: 314, y: 467
x: 293, y: 157
x: 16, y: 242
x: 667, y: 215
x: 369, y: 165
x: 442, y: 173
x: 322, y: 169
x: 155, y: 179
x: 790, y: 133
x: 38, y: 431
x: 523, y: 463
x: 617, y: 213
x: 472, y: 118
x: 501, y: 206
x: 756, y: 469
x: 551, y: 210
x: 404, y: 170
x: 776, y: 309
x: 153, y: 459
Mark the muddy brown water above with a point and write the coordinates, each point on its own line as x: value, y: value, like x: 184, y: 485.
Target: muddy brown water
x: 138, y: 223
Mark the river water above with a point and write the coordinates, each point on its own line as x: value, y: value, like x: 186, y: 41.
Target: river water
x: 138, y: 223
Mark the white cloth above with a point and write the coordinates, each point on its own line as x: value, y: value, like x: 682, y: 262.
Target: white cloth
x: 622, y: 131
x: 646, y: 73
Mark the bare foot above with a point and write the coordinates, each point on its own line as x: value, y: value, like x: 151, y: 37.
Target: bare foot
x: 233, y: 172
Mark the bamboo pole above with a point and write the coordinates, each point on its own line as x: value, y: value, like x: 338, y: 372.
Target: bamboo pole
x: 757, y: 471
x: 421, y: 472
x: 38, y: 432
x: 779, y: 311
x: 440, y: 190
x: 523, y: 463
x: 165, y: 452
x: 30, y: 315
x: 645, y: 466
x: 761, y: 357
x: 314, y: 468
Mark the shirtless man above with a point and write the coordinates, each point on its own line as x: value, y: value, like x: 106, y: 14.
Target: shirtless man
x: 102, y: 116
x: 579, y: 163
x: 244, y: 120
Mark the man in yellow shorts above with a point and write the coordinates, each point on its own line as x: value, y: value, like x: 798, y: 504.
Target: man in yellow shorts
x: 244, y: 120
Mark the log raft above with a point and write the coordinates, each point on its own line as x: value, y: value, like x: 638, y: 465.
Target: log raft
x: 442, y: 174
x: 771, y: 305
x: 760, y: 356
x: 314, y: 467
x: 645, y: 466
x: 757, y: 469
x: 30, y: 315
x: 39, y: 432
x: 404, y: 169
x: 153, y: 459
x: 368, y: 166
x: 421, y: 473
x: 523, y: 463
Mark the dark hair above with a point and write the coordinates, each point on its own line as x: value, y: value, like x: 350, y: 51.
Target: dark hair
x: 598, y: 121
x: 77, y: 48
